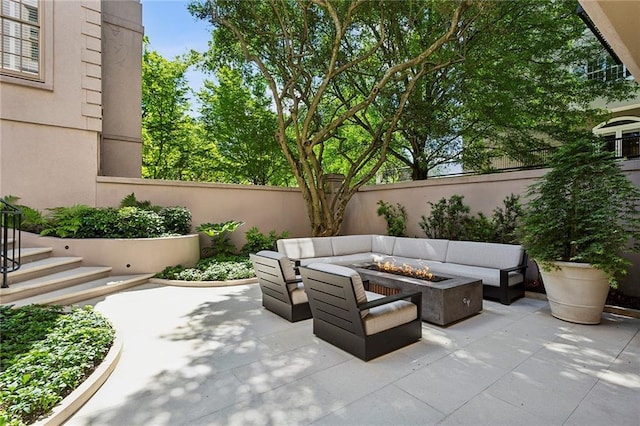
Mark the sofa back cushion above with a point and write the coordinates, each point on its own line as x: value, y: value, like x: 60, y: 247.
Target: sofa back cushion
x: 351, y: 244
x: 421, y: 248
x: 382, y: 244
x: 487, y: 255
x: 301, y: 248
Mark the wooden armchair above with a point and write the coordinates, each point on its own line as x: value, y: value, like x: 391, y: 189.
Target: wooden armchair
x: 364, y: 324
x: 282, y: 291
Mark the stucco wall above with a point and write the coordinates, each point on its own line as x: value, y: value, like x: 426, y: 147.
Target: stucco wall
x: 281, y: 209
x: 121, y: 148
x: 49, y: 131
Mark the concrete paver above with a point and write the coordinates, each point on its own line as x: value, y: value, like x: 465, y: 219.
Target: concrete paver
x: 209, y: 356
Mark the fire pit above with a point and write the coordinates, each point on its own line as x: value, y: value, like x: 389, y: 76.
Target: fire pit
x: 405, y: 270
x: 445, y: 299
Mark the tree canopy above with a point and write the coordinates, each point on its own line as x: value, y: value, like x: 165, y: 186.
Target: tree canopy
x: 327, y: 64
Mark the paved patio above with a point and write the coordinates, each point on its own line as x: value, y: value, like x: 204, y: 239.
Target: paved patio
x: 214, y: 356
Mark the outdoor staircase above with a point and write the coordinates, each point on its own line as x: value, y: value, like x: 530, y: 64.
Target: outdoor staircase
x: 46, y: 279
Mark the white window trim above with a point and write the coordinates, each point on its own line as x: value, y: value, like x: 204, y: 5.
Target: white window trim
x: 45, y: 80
x: 617, y: 131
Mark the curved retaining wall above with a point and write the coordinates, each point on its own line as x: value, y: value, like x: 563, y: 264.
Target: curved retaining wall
x: 124, y: 255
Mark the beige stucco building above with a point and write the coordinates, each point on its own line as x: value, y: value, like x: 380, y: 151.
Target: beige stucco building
x: 70, y: 97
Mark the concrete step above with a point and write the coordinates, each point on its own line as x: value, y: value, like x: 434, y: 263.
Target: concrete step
x: 52, y: 282
x: 86, y: 290
x: 10, y: 242
x: 32, y: 254
x: 43, y: 267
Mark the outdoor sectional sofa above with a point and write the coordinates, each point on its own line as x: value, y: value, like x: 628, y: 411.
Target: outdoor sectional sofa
x: 501, y: 267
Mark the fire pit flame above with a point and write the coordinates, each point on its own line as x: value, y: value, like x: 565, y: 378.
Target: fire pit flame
x: 405, y: 269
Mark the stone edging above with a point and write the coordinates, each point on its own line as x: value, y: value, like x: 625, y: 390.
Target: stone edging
x: 618, y: 310
x: 76, y: 399
x: 179, y: 283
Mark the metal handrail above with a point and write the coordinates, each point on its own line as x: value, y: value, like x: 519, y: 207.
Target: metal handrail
x: 10, y: 219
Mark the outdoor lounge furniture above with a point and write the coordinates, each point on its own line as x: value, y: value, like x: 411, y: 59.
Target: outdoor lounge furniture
x: 362, y: 323
x: 501, y: 267
x: 282, y: 291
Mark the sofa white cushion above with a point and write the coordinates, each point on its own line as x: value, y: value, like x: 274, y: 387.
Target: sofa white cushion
x: 382, y: 244
x: 421, y: 248
x: 488, y: 255
x: 350, y: 244
x: 358, y: 286
x: 489, y: 276
x: 301, y: 248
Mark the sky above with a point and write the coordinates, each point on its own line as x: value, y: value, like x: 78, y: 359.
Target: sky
x: 173, y: 31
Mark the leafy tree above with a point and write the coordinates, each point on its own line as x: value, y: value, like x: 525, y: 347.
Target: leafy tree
x: 243, y: 127
x: 327, y: 64
x: 515, y: 81
x: 171, y: 138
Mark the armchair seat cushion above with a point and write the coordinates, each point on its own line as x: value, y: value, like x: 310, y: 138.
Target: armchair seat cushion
x: 388, y: 316
x: 298, y: 295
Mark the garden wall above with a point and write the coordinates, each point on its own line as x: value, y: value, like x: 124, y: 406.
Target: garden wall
x: 266, y: 207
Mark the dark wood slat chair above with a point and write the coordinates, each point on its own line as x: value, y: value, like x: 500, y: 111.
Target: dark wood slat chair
x: 362, y: 323
x: 282, y: 291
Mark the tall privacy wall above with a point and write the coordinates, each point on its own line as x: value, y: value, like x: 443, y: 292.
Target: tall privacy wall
x: 282, y: 209
x: 267, y: 208
x: 482, y: 193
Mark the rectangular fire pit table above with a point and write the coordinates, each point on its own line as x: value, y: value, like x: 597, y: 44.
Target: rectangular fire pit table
x: 443, y: 302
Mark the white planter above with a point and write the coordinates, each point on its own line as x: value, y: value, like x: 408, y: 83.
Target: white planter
x: 577, y: 292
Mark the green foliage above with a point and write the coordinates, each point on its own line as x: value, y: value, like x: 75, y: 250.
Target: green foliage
x: 480, y: 99
x: 328, y: 65
x: 64, y: 222
x: 584, y: 210
x: 171, y: 137
x: 395, y: 216
x: 177, y: 220
x: 32, y: 220
x: 131, y: 201
x: 100, y: 223
x: 136, y: 219
x: 257, y: 241
x: 46, y: 353
x: 451, y: 220
x: 506, y: 220
x: 236, y: 115
x: 134, y: 222
x: 219, y: 233
x: 218, y: 268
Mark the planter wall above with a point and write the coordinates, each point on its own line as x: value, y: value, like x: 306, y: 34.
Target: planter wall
x: 124, y: 255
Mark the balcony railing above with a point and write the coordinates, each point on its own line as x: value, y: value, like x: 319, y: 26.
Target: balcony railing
x: 10, y: 219
x: 625, y: 147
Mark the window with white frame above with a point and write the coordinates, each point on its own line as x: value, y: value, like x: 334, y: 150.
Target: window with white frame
x: 20, y: 25
x: 622, y: 136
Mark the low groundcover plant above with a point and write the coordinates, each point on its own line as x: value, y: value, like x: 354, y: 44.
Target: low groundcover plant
x: 47, y: 352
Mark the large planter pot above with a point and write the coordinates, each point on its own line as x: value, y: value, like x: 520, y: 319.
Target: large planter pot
x: 577, y: 292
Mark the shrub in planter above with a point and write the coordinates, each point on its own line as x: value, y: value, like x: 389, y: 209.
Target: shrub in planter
x: 219, y: 234
x: 582, y: 216
x: 395, y: 216
x: 177, y: 220
x: 257, y: 241
x: 584, y: 210
x: 137, y: 223
x: 99, y: 223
